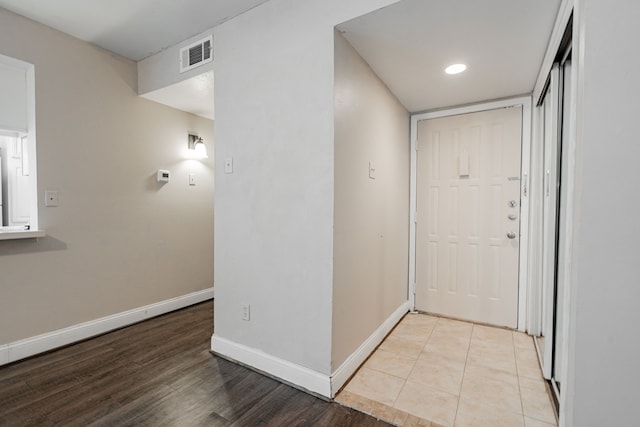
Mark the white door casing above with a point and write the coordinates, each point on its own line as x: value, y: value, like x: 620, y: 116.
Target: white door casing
x: 468, y: 170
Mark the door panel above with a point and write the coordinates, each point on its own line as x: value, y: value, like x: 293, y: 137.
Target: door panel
x: 468, y: 170
x: 563, y: 196
x: 550, y: 215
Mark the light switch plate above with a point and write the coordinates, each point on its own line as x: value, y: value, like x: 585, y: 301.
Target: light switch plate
x: 372, y: 170
x: 246, y: 312
x: 192, y: 179
x: 51, y: 198
x: 228, y: 165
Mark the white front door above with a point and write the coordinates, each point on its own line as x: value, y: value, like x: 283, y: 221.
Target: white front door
x: 468, y: 216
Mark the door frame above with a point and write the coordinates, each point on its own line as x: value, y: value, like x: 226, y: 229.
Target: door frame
x: 525, y: 103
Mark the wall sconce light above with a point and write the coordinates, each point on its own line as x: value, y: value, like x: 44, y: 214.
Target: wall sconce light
x: 197, y: 145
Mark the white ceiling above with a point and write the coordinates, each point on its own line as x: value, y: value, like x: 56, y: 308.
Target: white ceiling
x: 407, y: 44
x: 137, y: 29
x: 410, y: 43
x: 194, y: 95
x: 134, y: 29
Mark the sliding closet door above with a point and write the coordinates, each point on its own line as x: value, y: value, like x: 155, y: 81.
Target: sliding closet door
x: 561, y: 277
x: 550, y: 106
x: 555, y: 113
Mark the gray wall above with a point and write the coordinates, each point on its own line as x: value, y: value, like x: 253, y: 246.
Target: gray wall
x: 118, y: 240
x: 371, y: 216
x: 274, y: 214
x: 605, y: 344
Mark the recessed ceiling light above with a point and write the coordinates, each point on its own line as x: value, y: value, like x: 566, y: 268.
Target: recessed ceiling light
x: 455, y: 69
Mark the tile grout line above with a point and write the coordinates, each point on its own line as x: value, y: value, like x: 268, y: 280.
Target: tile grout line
x: 425, y: 345
x: 414, y: 365
x: 464, y: 371
x: 515, y: 359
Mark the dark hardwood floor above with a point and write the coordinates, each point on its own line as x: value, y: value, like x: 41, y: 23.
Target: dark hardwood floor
x: 157, y: 373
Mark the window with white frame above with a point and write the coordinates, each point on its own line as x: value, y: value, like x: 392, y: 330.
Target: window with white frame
x: 18, y: 183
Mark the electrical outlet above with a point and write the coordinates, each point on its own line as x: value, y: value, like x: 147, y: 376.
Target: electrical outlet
x: 246, y: 312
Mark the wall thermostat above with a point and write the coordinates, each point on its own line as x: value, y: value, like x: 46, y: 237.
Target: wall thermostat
x: 163, y: 175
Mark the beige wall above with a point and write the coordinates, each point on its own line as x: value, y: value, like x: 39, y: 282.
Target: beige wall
x: 118, y: 240
x: 371, y: 233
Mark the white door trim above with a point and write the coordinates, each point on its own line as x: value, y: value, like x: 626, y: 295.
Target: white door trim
x: 525, y: 102
x: 572, y: 217
x: 562, y: 19
x: 534, y: 289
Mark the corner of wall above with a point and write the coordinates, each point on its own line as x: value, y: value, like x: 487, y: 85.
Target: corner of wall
x: 349, y: 367
x: 283, y: 370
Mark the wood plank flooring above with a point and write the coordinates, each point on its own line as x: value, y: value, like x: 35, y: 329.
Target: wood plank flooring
x: 156, y: 373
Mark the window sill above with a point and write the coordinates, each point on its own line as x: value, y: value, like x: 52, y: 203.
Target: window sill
x: 21, y: 234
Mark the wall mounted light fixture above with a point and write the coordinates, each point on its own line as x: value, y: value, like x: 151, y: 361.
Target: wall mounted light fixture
x: 197, y: 145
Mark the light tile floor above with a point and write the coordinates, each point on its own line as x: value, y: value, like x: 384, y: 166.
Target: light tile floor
x: 432, y: 371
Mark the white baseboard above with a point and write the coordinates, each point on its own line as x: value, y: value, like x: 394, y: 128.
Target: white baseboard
x: 353, y: 362
x: 300, y: 376
x: 39, y: 344
x: 289, y: 372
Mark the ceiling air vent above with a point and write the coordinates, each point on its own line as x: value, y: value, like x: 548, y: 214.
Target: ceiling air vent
x: 196, y: 54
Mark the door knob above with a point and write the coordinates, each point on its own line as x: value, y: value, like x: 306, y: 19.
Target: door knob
x: 511, y: 235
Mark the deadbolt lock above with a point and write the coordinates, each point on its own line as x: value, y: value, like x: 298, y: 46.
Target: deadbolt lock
x: 512, y: 203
